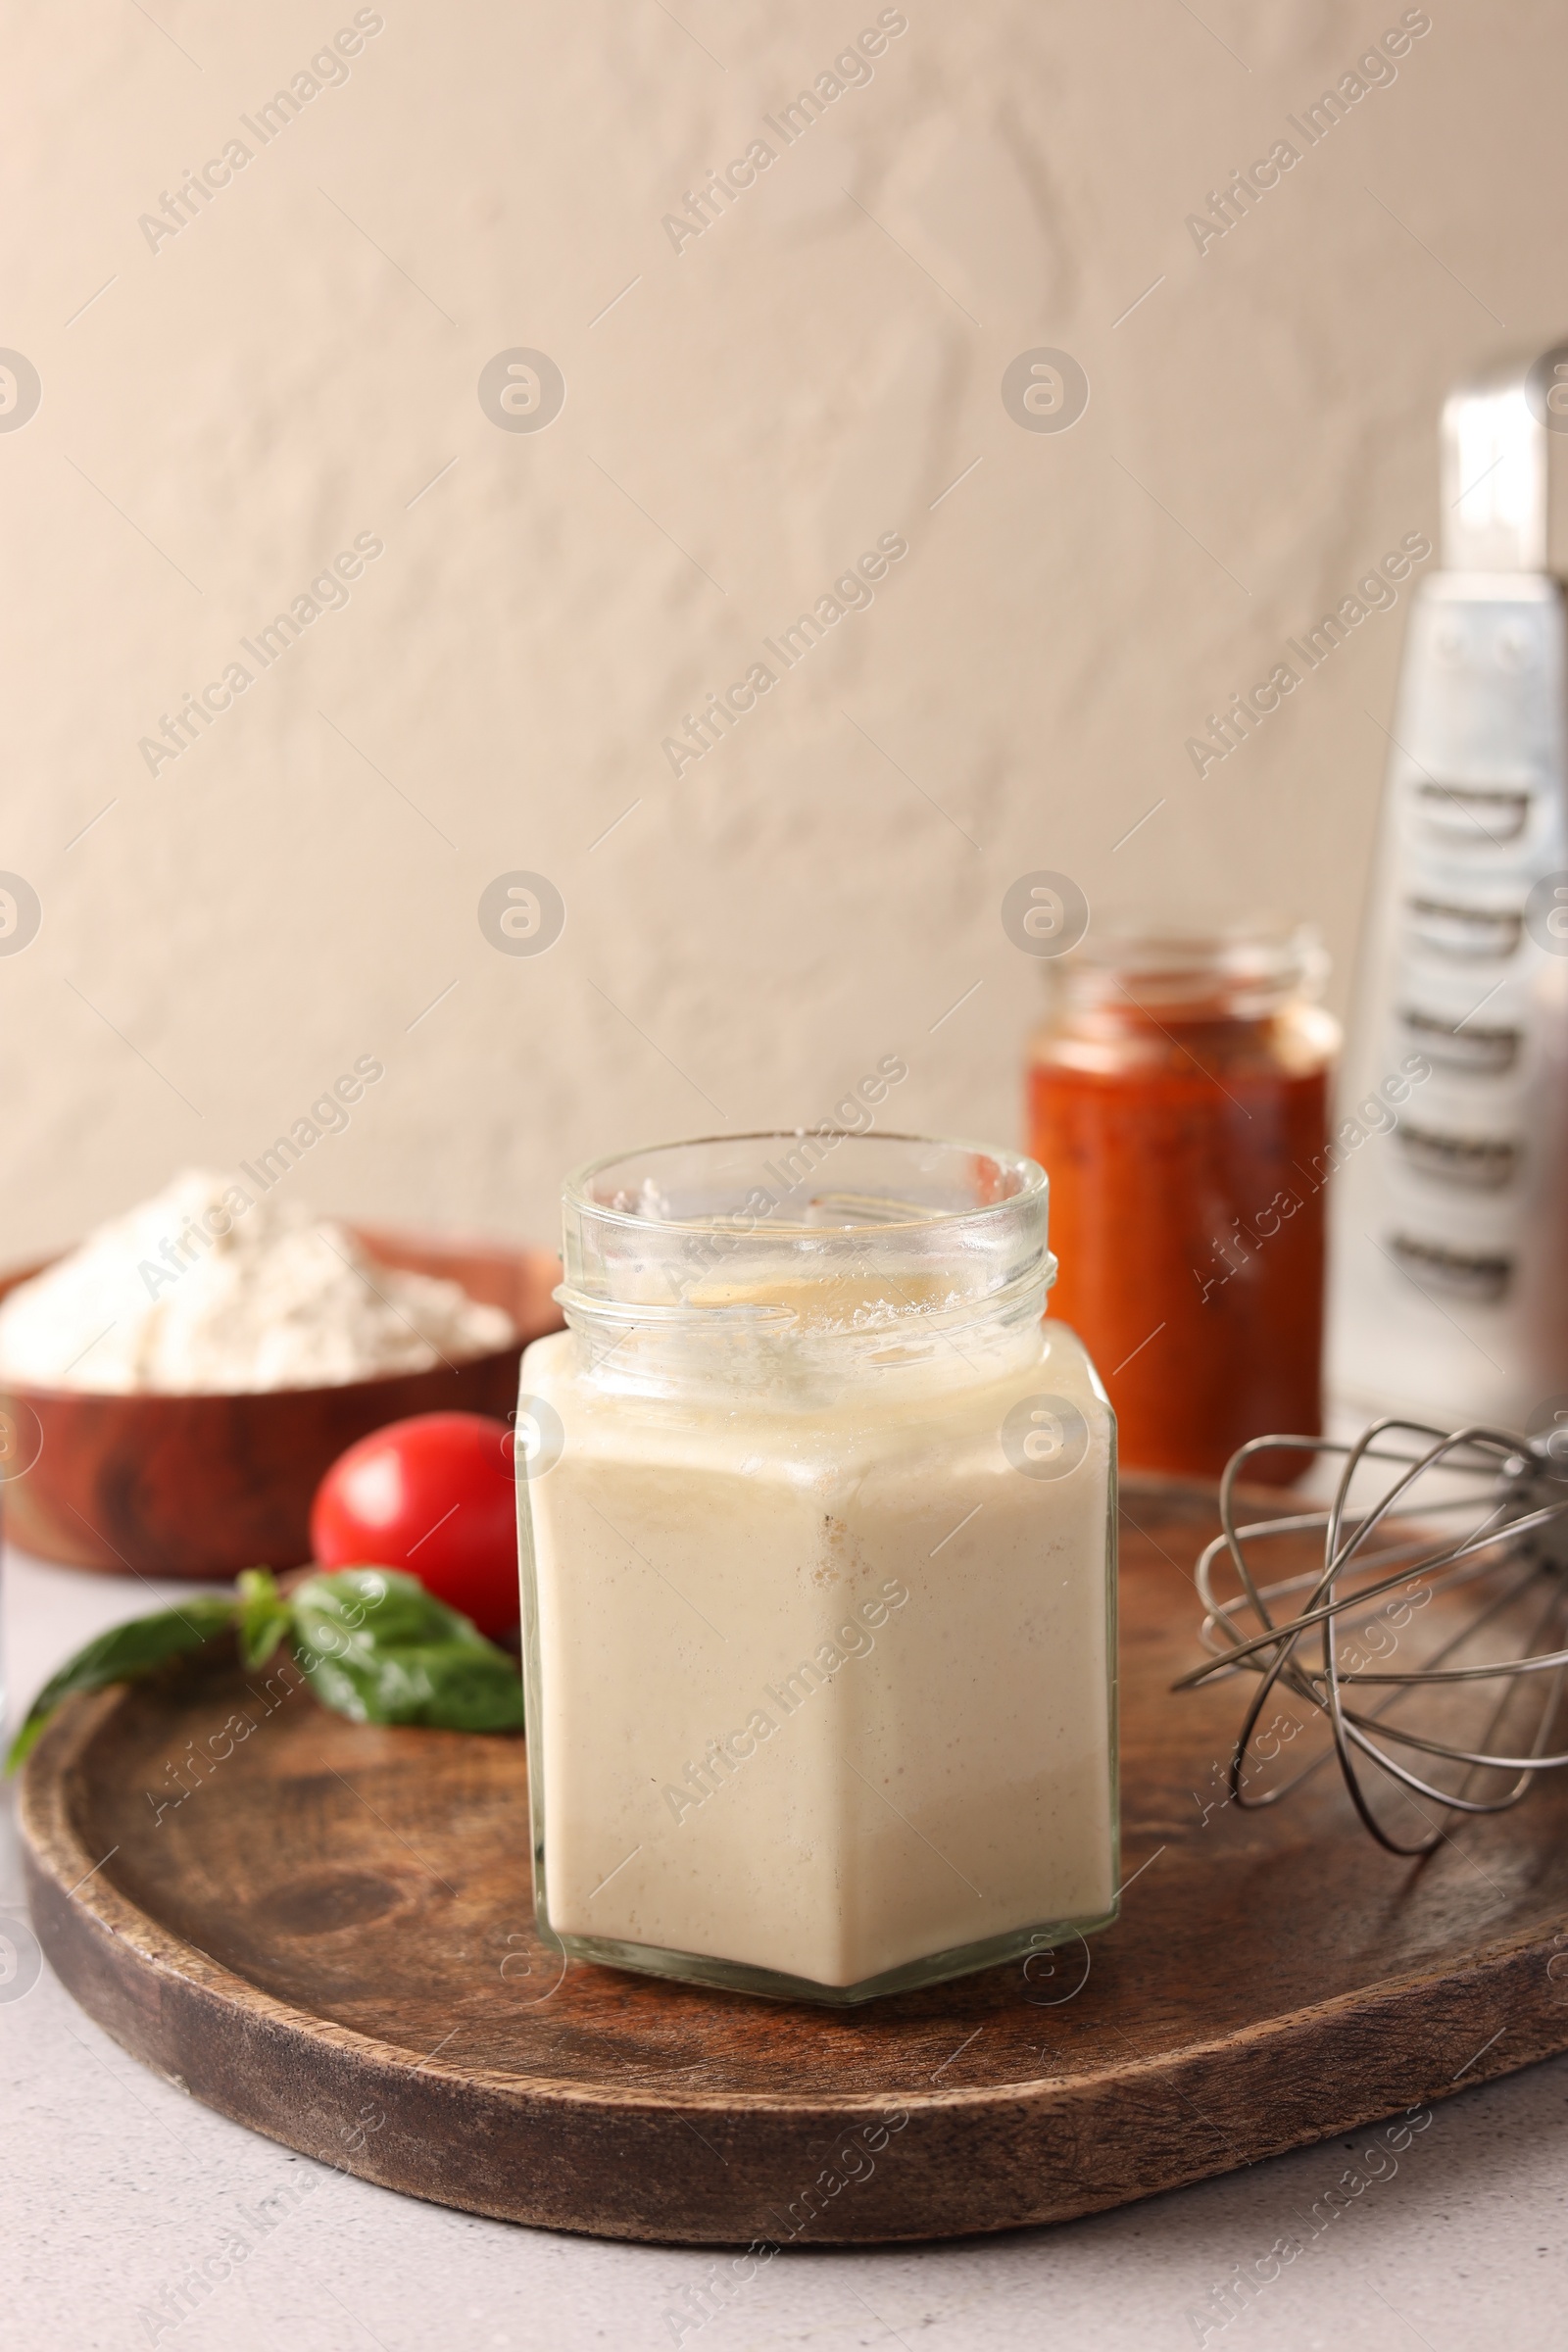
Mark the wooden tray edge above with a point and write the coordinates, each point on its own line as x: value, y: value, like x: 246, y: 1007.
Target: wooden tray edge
x: 994, y: 2159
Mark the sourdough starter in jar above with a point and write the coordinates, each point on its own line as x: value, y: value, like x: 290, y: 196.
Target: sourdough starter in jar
x: 817, y: 1572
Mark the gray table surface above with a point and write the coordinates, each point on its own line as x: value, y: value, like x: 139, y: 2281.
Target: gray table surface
x: 117, y: 2187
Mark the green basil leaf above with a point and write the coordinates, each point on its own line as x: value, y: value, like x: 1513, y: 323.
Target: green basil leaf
x: 447, y: 1686
x: 377, y: 1607
x: 122, y: 1655
x: 379, y: 1648
x: 264, y: 1616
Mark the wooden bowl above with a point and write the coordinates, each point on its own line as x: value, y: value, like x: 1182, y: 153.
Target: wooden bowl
x: 206, y: 1485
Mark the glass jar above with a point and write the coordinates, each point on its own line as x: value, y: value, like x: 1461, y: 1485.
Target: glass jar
x: 818, y: 1543
x: 1179, y: 1100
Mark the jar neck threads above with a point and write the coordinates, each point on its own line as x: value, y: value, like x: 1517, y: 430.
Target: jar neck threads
x: 1164, y: 974
x: 793, y: 1259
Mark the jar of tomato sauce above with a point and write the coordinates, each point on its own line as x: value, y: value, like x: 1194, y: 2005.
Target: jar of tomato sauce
x: 1179, y: 1102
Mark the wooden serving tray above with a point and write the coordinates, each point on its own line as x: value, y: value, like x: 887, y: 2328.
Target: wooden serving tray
x: 331, y: 1939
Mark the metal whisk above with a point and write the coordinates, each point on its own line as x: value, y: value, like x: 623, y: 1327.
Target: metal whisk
x: 1454, y: 1705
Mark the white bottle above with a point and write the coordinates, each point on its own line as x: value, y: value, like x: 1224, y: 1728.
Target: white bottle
x: 1450, y: 1287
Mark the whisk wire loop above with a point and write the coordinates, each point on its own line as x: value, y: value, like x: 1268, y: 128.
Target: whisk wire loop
x: 1296, y: 1634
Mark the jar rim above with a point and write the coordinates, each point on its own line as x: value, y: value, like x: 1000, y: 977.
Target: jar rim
x: 1245, y: 946
x: 1030, y: 1181
x: 852, y: 1232
x: 1244, y: 966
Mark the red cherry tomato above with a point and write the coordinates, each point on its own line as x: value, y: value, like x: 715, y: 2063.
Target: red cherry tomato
x: 434, y: 1495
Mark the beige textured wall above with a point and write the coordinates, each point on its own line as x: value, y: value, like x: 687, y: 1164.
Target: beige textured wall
x: 301, y: 359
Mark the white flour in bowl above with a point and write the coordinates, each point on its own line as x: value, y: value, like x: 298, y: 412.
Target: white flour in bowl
x: 202, y: 1291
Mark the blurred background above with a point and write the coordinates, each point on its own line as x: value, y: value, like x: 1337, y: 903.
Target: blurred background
x: 235, y: 389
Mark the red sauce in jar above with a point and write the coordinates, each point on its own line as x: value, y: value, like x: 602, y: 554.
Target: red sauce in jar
x: 1185, y: 1146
